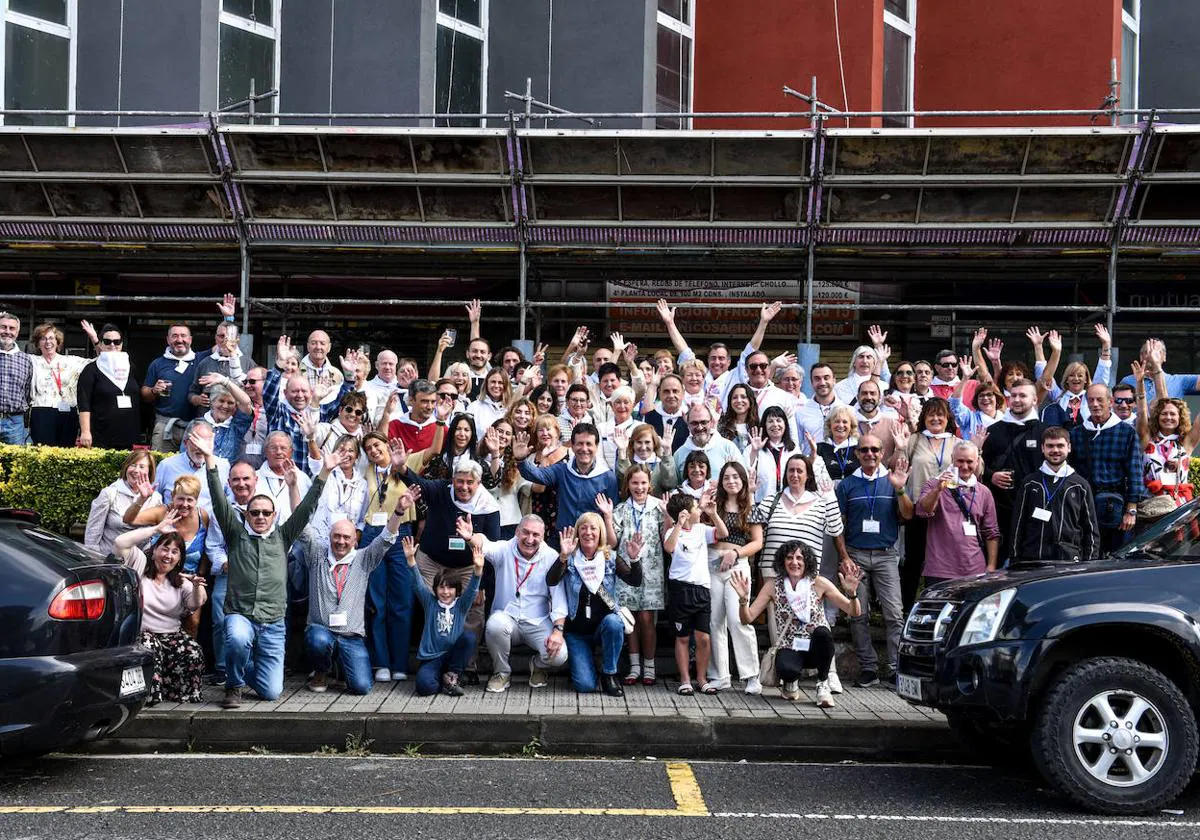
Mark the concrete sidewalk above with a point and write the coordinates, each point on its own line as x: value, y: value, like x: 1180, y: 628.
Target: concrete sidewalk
x: 867, y: 724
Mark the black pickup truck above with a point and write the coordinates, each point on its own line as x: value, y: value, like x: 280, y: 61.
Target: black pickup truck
x: 1093, y: 668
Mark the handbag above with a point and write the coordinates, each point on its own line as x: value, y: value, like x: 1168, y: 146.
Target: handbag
x: 1110, y: 508
x: 766, y: 671
x: 623, y: 613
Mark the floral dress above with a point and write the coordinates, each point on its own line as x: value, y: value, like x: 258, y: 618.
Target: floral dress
x: 651, y: 595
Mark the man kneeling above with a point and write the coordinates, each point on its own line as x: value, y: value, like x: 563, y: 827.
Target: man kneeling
x: 525, y: 610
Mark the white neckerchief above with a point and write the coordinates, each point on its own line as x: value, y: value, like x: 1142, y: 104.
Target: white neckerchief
x: 970, y: 481
x: 186, y: 357
x: 590, y: 571
x: 1113, y: 420
x: 985, y: 420
x: 937, y: 436
x: 481, y: 504
x: 1062, y: 472
x: 880, y: 472
x: 599, y: 465
x: 383, y: 385
x: 650, y: 462
x: 11, y: 351
x: 798, y: 598
x: 345, y: 561
x: 849, y: 442
x: 805, y: 497
x: 937, y: 380
x: 1009, y: 417
x: 253, y: 534
x: 212, y: 421
x: 870, y: 421
x: 114, y: 364
x: 445, y: 617
x: 1165, y: 438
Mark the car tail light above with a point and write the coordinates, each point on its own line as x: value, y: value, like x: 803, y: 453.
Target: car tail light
x: 80, y: 602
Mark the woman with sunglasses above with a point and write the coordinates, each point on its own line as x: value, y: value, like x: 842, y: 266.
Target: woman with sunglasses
x: 325, y: 437
x: 901, y: 395
x: 109, y: 397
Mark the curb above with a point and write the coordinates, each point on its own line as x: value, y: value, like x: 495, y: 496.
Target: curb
x: 568, y: 735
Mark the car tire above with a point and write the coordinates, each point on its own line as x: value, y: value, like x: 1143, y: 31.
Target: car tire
x: 1115, y: 736
x: 992, y: 744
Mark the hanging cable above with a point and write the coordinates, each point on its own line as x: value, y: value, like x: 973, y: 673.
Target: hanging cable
x: 837, y: 34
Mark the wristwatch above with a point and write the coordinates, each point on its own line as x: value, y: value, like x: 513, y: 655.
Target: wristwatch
x: 558, y: 628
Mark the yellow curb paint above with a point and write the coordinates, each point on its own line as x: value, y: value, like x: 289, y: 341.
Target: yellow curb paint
x: 686, y: 790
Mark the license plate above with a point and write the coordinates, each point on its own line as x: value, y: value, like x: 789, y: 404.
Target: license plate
x: 908, y: 687
x: 133, y: 681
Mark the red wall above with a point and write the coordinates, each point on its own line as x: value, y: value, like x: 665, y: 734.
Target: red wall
x: 1014, y: 54
x: 747, y: 51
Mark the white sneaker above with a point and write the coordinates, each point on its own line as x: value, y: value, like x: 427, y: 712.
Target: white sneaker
x: 383, y: 675
x: 398, y: 676
x: 498, y: 683
x: 753, y: 686
x: 790, y: 690
x: 824, y: 697
x: 835, y: 682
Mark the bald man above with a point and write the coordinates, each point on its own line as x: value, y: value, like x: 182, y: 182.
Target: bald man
x: 324, y: 377
x: 385, y: 383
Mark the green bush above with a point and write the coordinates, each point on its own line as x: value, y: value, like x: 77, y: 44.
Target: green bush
x: 58, y: 483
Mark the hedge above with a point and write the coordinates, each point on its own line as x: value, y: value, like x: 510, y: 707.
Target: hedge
x: 59, y: 483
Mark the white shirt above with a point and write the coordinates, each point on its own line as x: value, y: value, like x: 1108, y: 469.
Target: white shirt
x: 270, y: 484
x: 689, y: 560
x: 811, y: 418
x: 535, y: 601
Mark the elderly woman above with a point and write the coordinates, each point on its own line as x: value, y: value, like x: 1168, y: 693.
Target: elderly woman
x: 692, y: 372
x: 771, y: 446
x: 106, y: 521
x: 865, y: 363
x: 190, y: 520
x: 577, y: 411
x: 53, y: 419
x: 588, y: 569
x: 168, y: 596
x: 623, y: 422
x: 796, y: 595
x: 1168, y: 437
x: 325, y: 437
x: 837, y: 451
x: 109, y: 397
x: 230, y: 413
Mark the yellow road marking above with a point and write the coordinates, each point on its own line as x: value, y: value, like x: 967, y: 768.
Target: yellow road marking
x: 689, y: 802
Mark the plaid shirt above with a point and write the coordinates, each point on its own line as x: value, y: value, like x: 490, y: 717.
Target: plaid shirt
x: 279, y: 416
x: 1110, y: 459
x: 16, y: 373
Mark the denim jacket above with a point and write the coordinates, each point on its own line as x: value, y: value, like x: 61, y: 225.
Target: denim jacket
x: 631, y: 573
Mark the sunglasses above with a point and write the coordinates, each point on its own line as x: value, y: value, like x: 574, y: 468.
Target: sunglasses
x: 946, y: 364
x: 252, y: 382
x: 1124, y: 400
x: 698, y: 422
x: 260, y: 513
x: 867, y: 450
x: 904, y: 373
x: 110, y: 342
x: 357, y: 412
x: 446, y: 396
x: 757, y: 366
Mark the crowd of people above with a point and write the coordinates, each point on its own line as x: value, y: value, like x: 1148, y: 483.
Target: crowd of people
x: 311, y: 510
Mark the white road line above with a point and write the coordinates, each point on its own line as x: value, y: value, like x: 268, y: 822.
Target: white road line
x: 932, y: 818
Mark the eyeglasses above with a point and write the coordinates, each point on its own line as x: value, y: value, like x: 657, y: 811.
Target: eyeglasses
x: 447, y: 396
x: 868, y: 450
x: 947, y: 364
x: 357, y: 412
x: 249, y: 381
x: 260, y: 513
x: 757, y: 366
x: 698, y: 422
x: 1124, y: 400
x: 904, y: 373
x: 110, y: 342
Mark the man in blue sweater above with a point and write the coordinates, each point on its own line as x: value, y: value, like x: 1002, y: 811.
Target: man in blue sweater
x: 578, y: 479
x: 874, y: 503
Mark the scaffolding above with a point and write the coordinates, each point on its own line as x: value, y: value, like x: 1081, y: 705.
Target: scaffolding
x: 201, y: 194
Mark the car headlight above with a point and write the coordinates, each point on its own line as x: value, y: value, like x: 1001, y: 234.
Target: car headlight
x: 986, y: 618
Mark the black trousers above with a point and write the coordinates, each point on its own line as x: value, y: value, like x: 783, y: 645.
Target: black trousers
x: 790, y: 664
x: 914, y: 561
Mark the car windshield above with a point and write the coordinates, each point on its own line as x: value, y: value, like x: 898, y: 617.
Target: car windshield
x: 1175, y: 535
x: 48, y: 546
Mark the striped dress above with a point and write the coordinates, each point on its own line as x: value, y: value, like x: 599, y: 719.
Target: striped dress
x: 818, y: 519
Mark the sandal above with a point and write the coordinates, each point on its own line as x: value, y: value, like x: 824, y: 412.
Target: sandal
x: 648, y: 675
x: 686, y: 690
x: 633, y: 676
x: 709, y: 688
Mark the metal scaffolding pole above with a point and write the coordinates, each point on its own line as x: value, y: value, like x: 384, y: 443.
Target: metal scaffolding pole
x: 245, y: 285
x: 523, y: 300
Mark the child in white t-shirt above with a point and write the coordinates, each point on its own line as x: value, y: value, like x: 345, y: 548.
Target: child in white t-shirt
x: 688, y: 601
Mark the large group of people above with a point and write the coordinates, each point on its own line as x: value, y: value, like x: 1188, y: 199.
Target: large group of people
x: 566, y: 505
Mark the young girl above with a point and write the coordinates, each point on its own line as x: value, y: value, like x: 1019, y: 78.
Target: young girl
x: 642, y: 514
x: 643, y: 446
x: 739, y: 417
x: 446, y: 646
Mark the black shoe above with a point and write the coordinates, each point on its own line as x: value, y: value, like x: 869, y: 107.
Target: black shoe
x: 216, y: 679
x: 450, y: 684
x: 233, y: 698
x: 470, y: 677
x: 610, y: 686
x: 867, y: 679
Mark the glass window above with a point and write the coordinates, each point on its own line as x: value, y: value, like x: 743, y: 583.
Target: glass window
x: 465, y: 10
x: 673, y: 62
x: 897, y: 7
x: 1129, y: 6
x: 896, y: 75
x: 245, y: 56
x: 678, y: 9
x: 54, y: 11
x: 1129, y: 72
x: 259, y: 11
x: 37, y: 74
x: 459, y: 75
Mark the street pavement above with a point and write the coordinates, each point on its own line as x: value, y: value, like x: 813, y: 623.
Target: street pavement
x: 194, y: 796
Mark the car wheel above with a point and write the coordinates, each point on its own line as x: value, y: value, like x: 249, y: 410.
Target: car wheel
x: 1116, y: 736
x: 990, y: 743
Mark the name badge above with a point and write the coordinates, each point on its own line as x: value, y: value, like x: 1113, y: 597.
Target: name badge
x: 801, y: 644
x: 969, y: 529
x: 1041, y: 514
x: 379, y: 519
x: 456, y: 544
x: 64, y: 406
x: 124, y: 401
x: 1168, y: 477
x: 870, y: 526
x: 181, y: 367
x: 337, y: 619
x: 253, y: 448
x: 1031, y: 444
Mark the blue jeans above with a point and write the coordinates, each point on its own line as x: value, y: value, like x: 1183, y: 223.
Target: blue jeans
x: 429, y: 673
x: 390, y: 593
x: 13, y: 431
x: 352, y: 654
x: 244, y: 638
x: 611, y: 636
x: 217, y: 597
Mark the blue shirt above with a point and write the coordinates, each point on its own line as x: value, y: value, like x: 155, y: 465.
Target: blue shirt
x: 862, y: 499
x: 439, y: 635
x: 169, y: 469
x: 1179, y: 385
x: 576, y: 492
x: 175, y: 405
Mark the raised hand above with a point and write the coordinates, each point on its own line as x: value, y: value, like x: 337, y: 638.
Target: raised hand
x: 477, y: 557
x: 407, y: 499
x: 1055, y: 340
x: 89, y: 331
x: 877, y: 335
x: 304, y: 422
x: 410, y: 550
x: 349, y: 362
x: 464, y: 527
x: 577, y: 339
x: 995, y: 347
x: 634, y: 546
x: 290, y: 474
x: 491, y: 441
x: 145, y: 490
x: 980, y: 437
x: 620, y: 437
x: 1035, y: 336
x: 899, y: 473
x: 757, y: 441
x: 630, y: 353
x: 167, y: 524
x: 474, y: 311
x: 604, y: 505
x: 539, y: 355
x: 783, y: 360
x: 740, y: 581
x: 203, y: 445
x: 708, y: 501
x: 850, y: 576
x: 666, y: 312
x: 567, y: 541
x: 811, y: 441
x: 399, y: 453
x: 283, y: 349
x: 618, y: 342
x: 1158, y: 355
x: 227, y: 306
x: 205, y: 380
x: 883, y: 352
x: 769, y: 311
x: 442, y: 409
x: 668, y: 440
x: 965, y: 367
x: 443, y: 342
x: 1104, y: 337
x: 330, y: 461
x: 520, y: 445
x: 901, y: 435
x: 978, y: 339
x: 1138, y: 370
x: 825, y: 487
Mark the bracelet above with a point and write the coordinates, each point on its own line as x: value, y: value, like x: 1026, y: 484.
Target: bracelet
x: 853, y: 597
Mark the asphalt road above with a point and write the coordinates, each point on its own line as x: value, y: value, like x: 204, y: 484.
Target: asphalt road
x: 192, y: 796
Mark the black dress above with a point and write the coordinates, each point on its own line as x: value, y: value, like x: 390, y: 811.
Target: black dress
x: 112, y: 427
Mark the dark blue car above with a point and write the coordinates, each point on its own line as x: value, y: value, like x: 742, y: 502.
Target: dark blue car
x: 71, y: 668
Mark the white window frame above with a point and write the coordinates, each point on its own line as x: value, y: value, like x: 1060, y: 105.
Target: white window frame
x: 273, y: 32
x: 909, y: 28
x: 687, y: 29
x: 70, y: 31
x: 478, y: 33
x: 1132, y: 22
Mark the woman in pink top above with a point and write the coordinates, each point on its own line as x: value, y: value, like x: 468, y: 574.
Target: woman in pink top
x: 167, y: 596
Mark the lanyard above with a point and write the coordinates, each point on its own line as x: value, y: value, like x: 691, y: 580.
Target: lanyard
x: 339, y: 580
x: 381, y: 477
x: 638, y: 515
x: 941, y: 456
x: 345, y: 492
x: 57, y: 373
x: 517, y: 571
x: 843, y: 458
x: 970, y: 504
x: 874, y: 493
x: 1050, y: 496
